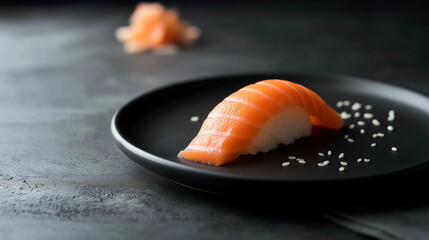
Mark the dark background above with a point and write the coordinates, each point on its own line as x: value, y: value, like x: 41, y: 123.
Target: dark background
x: 63, y: 75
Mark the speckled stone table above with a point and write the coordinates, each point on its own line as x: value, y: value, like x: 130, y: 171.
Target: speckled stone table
x: 63, y: 75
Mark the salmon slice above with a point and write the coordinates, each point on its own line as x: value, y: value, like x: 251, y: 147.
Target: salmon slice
x: 258, y: 117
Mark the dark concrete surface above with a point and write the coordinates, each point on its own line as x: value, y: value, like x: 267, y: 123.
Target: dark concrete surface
x: 63, y: 75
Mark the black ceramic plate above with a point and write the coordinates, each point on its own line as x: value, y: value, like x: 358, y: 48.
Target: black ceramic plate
x: 155, y: 126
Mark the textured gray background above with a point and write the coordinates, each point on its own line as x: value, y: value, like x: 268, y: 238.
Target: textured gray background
x: 63, y: 75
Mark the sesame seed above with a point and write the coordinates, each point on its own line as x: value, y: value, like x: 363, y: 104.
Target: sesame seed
x: 394, y: 149
x: 361, y: 123
x: 326, y: 162
x: 366, y: 160
x: 285, y: 164
x: 350, y: 140
x: 359, y: 160
x: 329, y: 153
x: 321, y: 154
x: 357, y: 114
x: 390, y: 128
x: 356, y: 106
x: 391, y: 116
x: 321, y: 165
x: 301, y: 161
x: 340, y: 104
x: 368, y: 115
x: 341, y: 155
x: 351, y: 126
x: 346, y: 103
x: 368, y: 107
x: 292, y: 157
x: 195, y: 119
x: 346, y: 136
x: 374, y: 135
x: 345, y: 115
x: 362, y: 131
x: 375, y: 122
x: 380, y: 134
x: 344, y: 163
x: 373, y: 144
x: 341, y: 169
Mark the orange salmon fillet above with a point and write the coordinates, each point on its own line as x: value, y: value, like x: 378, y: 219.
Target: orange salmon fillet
x: 232, y: 125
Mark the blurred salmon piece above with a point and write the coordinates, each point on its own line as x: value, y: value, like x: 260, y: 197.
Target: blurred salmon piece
x: 153, y: 27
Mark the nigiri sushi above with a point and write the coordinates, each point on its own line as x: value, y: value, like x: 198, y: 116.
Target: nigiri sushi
x: 257, y: 118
